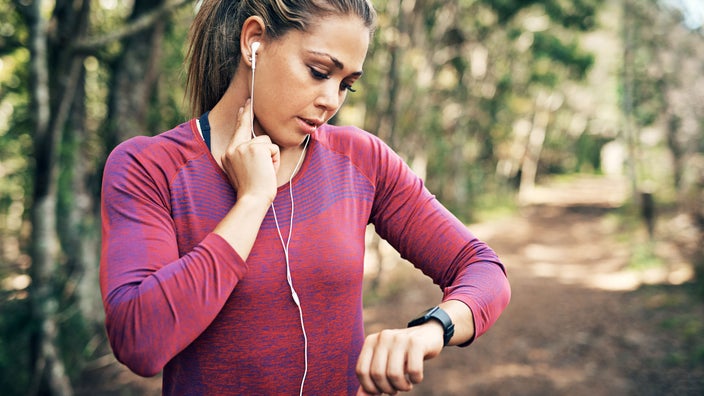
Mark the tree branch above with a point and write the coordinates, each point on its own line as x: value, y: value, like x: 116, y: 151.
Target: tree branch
x: 91, y: 44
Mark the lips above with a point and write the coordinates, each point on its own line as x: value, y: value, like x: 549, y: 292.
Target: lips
x: 310, y: 125
x: 311, y: 122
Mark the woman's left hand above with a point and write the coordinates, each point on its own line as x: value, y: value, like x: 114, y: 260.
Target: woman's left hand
x: 391, y: 361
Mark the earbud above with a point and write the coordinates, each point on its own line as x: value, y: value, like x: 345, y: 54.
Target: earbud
x: 255, y: 47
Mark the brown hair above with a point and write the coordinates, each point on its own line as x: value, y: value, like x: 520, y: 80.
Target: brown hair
x: 214, y: 50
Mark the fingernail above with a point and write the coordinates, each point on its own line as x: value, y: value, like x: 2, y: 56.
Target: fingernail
x: 241, y: 110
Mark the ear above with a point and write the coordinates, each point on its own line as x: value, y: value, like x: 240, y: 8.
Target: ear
x: 253, y: 30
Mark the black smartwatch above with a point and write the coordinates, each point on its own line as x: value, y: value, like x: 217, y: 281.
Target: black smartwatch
x: 441, y: 316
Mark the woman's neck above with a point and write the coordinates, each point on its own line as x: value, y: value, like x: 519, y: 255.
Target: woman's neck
x: 223, y: 121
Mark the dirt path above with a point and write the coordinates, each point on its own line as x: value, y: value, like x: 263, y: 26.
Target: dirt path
x: 580, y: 322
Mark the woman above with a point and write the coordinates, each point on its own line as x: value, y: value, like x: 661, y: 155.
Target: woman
x: 233, y: 243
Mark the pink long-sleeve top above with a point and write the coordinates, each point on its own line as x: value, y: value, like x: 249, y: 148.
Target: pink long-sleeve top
x: 178, y: 298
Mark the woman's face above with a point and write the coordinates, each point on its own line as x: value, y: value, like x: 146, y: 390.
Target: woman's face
x: 303, y: 78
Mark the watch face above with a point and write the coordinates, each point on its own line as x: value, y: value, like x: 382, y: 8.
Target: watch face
x: 441, y: 316
x: 429, y: 312
x: 424, y: 317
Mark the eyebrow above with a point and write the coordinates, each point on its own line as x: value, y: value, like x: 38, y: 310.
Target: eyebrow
x: 335, y: 61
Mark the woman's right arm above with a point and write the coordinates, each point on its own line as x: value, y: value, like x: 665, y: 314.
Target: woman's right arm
x: 251, y: 166
x: 157, y: 303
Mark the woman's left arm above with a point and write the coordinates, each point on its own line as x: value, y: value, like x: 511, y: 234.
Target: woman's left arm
x: 474, y: 283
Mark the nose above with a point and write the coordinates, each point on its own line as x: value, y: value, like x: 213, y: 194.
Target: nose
x: 330, y: 96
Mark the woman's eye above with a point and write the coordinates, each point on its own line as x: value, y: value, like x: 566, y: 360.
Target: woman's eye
x: 345, y: 86
x: 318, y: 75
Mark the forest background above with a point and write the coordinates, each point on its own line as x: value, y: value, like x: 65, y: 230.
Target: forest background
x: 484, y: 99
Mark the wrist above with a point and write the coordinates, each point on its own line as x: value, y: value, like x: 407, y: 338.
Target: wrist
x: 439, y: 318
x: 432, y: 329
x: 463, y: 319
x: 257, y: 203
x: 241, y: 224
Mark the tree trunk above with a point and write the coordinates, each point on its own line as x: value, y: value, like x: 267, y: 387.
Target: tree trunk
x: 672, y: 132
x: 628, y: 129
x: 48, y: 365
x: 57, y: 51
x: 534, y: 146
x: 80, y: 229
x: 544, y: 105
x: 135, y: 74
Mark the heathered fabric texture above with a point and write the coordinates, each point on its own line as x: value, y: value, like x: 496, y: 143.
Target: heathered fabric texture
x: 178, y: 298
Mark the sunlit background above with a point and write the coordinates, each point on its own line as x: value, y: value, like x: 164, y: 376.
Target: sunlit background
x: 567, y: 134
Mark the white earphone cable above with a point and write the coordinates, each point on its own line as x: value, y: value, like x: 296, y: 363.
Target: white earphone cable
x: 285, y: 244
x: 251, y: 100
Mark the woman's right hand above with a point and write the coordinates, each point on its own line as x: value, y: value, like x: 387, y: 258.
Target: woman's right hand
x: 251, y: 163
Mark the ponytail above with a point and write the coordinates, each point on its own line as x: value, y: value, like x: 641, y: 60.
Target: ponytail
x: 214, y: 53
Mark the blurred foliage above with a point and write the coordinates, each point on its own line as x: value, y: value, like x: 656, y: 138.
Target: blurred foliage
x: 15, y: 139
x: 15, y: 322
x: 445, y: 82
x: 458, y: 88
x: 683, y: 325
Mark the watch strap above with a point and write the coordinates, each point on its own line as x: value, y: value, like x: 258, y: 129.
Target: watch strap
x: 438, y: 314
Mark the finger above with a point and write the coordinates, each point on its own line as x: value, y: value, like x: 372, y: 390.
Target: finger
x: 243, y: 128
x: 414, y: 364
x: 275, y: 157
x: 380, y: 360
x: 364, y: 363
x: 396, y: 366
x: 265, y: 141
x: 362, y: 392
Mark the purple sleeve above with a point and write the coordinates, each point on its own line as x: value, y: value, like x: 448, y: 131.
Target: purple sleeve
x: 156, y: 303
x: 436, y: 242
